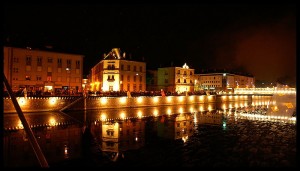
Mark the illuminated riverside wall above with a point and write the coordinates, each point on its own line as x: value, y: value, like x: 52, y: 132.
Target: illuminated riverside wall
x: 35, y: 104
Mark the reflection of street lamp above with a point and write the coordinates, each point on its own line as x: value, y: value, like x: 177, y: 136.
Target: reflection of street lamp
x: 69, y: 71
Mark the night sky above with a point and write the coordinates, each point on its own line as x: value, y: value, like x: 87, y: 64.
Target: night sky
x: 256, y: 39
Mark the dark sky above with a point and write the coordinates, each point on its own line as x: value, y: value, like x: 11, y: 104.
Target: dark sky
x: 258, y: 39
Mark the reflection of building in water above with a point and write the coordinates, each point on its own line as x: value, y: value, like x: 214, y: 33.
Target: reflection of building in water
x: 176, y: 126
x: 210, y: 118
x: 117, y: 137
x: 57, y: 143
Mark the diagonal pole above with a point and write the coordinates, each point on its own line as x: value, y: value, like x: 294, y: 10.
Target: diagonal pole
x: 34, y: 144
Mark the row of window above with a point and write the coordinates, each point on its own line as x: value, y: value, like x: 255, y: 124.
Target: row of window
x: 128, y: 68
x: 134, y: 78
x: 49, y: 69
x: 211, y: 81
x: 210, y: 78
x: 134, y: 87
x: 211, y: 85
x: 49, y: 78
x: 184, y: 81
x: 49, y: 60
x: 184, y: 72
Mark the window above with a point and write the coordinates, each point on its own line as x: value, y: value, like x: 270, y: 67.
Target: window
x: 113, y: 77
x: 128, y: 67
x: 28, y: 60
x: 184, y: 73
x: 134, y: 78
x: 184, y: 80
x: 178, y: 72
x: 49, y: 60
x: 140, y: 87
x: 141, y: 78
x: 128, y: 78
x: 178, y: 81
x: 39, y: 61
x: 191, y: 73
x: 141, y: 69
x: 15, y: 70
x: 77, y: 64
x: 191, y: 81
x: 59, y: 63
x: 134, y: 87
x: 166, y: 81
x: 49, y: 69
x: 122, y: 67
x: 38, y: 78
x: 69, y: 63
x: 27, y: 77
x: 134, y: 68
x: 121, y: 77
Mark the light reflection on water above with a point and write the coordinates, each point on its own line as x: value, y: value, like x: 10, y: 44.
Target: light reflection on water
x: 113, y: 135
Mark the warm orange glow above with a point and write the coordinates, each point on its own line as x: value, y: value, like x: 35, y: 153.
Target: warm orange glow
x: 155, y: 113
x: 180, y: 110
x: 191, y: 110
x: 122, y: 115
x: 103, y: 101
x: 140, y: 99
x: 22, y: 101
x: 155, y: 99
x: 191, y: 98
x: 103, y: 117
x: 52, y: 101
x: 139, y: 114
x: 169, y: 111
x: 52, y: 122
x: 122, y: 100
x: 169, y: 99
x: 180, y: 98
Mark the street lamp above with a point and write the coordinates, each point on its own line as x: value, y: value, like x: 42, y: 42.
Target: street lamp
x: 69, y: 71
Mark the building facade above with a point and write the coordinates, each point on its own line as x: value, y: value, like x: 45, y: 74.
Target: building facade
x: 45, y: 71
x: 115, y: 73
x: 176, y: 79
x: 222, y: 81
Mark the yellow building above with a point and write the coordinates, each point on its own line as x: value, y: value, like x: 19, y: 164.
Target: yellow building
x: 180, y: 126
x: 222, y: 81
x: 176, y: 79
x: 241, y: 81
x: 114, y: 73
x: 43, y: 70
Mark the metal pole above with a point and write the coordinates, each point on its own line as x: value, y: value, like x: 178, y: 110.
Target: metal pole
x: 34, y: 144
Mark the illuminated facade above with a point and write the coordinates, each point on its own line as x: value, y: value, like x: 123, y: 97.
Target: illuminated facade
x: 180, y: 126
x: 175, y: 79
x: 42, y: 70
x: 222, y: 81
x: 114, y: 73
x: 117, y: 137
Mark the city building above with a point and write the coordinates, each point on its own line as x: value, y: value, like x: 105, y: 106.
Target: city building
x: 151, y: 80
x: 222, y: 81
x: 115, y: 138
x: 115, y: 73
x: 179, y: 126
x: 176, y: 79
x: 45, y: 71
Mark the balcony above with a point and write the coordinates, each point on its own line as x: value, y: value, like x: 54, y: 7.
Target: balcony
x: 110, y: 80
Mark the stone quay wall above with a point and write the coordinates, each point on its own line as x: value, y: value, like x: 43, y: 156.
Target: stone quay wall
x: 37, y: 104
